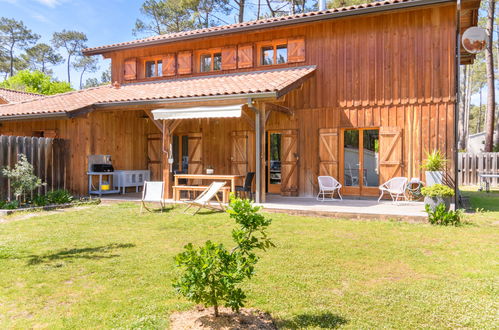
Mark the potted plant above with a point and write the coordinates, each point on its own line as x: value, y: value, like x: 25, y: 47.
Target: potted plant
x: 434, y: 166
x: 209, y: 169
x: 436, y: 195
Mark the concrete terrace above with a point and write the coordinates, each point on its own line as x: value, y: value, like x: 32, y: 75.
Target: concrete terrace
x: 367, y: 209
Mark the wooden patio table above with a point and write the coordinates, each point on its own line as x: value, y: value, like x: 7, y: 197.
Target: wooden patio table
x: 223, y: 177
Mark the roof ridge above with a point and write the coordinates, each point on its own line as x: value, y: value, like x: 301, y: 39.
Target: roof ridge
x: 175, y: 35
x: 20, y: 92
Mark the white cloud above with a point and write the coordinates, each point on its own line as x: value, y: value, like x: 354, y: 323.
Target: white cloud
x: 50, y: 3
x: 40, y: 18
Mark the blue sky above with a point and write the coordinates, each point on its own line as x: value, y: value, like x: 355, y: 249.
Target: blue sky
x: 103, y: 21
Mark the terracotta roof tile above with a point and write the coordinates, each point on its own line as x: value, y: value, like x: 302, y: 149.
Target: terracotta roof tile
x: 329, y: 13
x: 11, y: 96
x: 228, y: 84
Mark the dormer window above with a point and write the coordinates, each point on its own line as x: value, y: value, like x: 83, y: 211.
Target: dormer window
x: 153, y: 68
x: 274, y: 54
x: 210, y: 62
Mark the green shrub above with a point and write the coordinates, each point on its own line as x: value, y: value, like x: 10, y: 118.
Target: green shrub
x: 437, y: 190
x: 12, y: 205
x: 22, y: 177
x: 211, y: 273
x: 435, y: 161
x: 59, y: 196
x: 40, y: 200
x: 442, y: 217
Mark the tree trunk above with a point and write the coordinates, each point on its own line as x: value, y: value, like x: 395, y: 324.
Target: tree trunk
x: 242, y: 3
x: 215, y: 308
x: 69, y: 69
x: 489, y: 57
x: 81, y: 78
x: 462, y: 108
x: 496, y: 140
x: 12, y: 60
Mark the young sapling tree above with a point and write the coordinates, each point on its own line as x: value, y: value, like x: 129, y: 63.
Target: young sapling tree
x: 211, y: 273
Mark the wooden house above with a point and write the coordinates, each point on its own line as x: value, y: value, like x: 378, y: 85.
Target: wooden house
x: 359, y: 93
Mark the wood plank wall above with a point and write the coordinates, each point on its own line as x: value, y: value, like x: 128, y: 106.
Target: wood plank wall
x: 121, y: 134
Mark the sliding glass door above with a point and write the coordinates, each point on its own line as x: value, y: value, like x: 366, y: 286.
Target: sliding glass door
x: 359, y: 168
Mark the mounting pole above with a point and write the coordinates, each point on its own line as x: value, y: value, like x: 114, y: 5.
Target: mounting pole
x: 457, y: 103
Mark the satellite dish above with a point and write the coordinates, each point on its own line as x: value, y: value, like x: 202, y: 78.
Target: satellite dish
x: 474, y: 40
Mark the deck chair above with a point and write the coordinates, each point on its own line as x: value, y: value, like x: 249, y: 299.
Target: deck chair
x: 395, y: 187
x: 327, y: 186
x: 152, y: 193
x: 203, y: 200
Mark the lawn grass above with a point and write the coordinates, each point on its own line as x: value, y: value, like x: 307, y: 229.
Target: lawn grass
x: 109, y: 267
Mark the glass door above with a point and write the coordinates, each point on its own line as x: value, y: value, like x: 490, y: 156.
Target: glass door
x: 359, y: 170
x: 273, y: 147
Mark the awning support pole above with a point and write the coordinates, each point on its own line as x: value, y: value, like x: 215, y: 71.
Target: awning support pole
x: 258, y: 140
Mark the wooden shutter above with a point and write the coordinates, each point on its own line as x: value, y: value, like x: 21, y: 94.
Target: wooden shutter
x: 154, y: 156
x: 169, y: 66
x: 296, y: 50
x: 390, y: 153
x: 289, y: 163
x: 194, y: 151
x: 130, y: 69
x: 184, y: 60
x: 229, y: 58
x: 328, y: 152
x: 245, y: 56
x: 242, y: 143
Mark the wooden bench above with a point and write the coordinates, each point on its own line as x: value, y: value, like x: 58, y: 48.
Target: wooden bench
x: 178, y: 189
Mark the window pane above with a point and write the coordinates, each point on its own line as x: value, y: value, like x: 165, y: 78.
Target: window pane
x: 282, y: 54
x: 185, y: 153
x: 351, y: 155
x: 160, y: 68
x: 150, y: 69
x: 267, y: 55
x: 205, y: 63
x: 371, y: 159
x: 275, y: 158
x: 176, y: 156
x: 217, y: 61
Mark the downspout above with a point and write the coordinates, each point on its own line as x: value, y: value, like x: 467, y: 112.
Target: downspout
x: 258, y: 147
x: 457, y: 103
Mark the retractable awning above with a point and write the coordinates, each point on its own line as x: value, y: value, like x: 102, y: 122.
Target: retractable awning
x: 227, y: 111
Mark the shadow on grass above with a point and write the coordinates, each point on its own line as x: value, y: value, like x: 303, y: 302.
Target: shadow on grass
x: 98, y: 252
x: 324, y: 320
x: 158, y: 210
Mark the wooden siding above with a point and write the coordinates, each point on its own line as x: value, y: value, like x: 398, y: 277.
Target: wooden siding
x: 121, y: 134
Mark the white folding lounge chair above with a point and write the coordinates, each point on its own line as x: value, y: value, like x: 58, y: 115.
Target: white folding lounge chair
x: 395, y: 187
x: 203, y: 200
x: 152, y: 193
x: 327, y: 186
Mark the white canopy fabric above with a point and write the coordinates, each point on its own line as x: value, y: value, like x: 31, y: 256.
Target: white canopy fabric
x: 228, y: 111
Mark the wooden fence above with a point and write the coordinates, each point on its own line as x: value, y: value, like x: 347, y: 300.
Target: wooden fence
x: 48, y: 156
x: 470, y: 165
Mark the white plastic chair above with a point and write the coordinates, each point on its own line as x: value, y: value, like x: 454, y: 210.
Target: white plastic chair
x: 327, y: 186
x: 152, y: 193
x: 395, y: 187
x: 203, y: 200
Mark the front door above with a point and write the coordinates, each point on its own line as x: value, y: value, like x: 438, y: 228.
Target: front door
x: 282, y: 162
x: 359, y: 170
